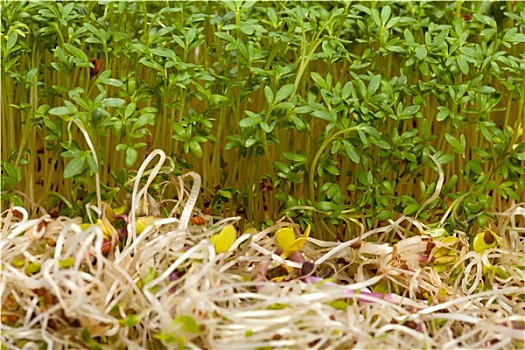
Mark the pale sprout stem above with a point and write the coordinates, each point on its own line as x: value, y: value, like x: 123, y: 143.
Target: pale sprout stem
x: 439, y: 185
x: 249, y: 296
x: 132, y: 232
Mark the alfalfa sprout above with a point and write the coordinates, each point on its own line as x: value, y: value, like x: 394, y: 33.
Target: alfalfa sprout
x: 170, y: 286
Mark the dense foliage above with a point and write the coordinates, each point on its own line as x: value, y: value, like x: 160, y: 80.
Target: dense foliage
x: 328, y: 112
x: 262, y: 175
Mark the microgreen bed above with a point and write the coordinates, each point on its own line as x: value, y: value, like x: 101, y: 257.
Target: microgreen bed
x: 329, y: 174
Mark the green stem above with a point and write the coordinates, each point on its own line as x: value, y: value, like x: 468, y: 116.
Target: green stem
x: 458, y: 8
x: 95, y: 158
x: 518, y: 132
x: 325, y: 143
x: 215, y: 162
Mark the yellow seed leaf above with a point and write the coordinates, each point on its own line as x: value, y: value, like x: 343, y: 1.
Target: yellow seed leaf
x: 440, y: 268
x: 67, y: 262
x: 298, y: 244
x: 84, y: 227
x: 278, y: 279
x: 446, y: 260
x: 120, y: 210
x: 107, y: 229
x: 113, y: 213
x: 225, y: 239
x: 32, y: 268
x: 484, y: 240
x: 285, y: 238
x: 18, y: 262
x: 143, y: 222
x: 307, y: 232
x: 442, y: 252
x: 109, y: 212
x: 251, y: 230
x: 450, y: 240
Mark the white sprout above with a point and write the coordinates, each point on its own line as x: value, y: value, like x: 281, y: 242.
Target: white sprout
x: 377, y: 295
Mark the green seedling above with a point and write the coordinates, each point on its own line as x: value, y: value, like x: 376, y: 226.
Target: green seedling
x: 340, y: 107
x: 377, y: 121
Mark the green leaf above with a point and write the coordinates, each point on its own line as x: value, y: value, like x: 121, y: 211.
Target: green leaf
x: 11, y: 171
x: 332, y: 169
x: 443, y: 113
x: 225, y: 36
x: 60, y: 111
x: 121, y: 147
x: 385, y: 14
x: 486, y: 89
x: 91, y: 163
x: 285, y: 105
x: 112, y: 82
x: 463, y: 65
x: 373, y: 85
x: 488, y: 33
x: 513, y: 36
x: 268, y: 93
x: 225, y: 194
x: 75, y: 166
x: 375, y: 17
x: 75, y: 51
x: 351, y: 152
x: 505, y: 189
x: 131, y: 156
x: 113, y: 102
x: 303, y: 109
x: 365, y: 177
x: 282, y: 167
x: 195, y: 148
x: 326, y: 206
x: 319, y: 81
x: 421, y: 52
x: 411, y: 110
x: 486, y: 20
x: 12, y: 40
x: 164, y: 53
x: 384, y: 215
x: 411, y: 209
x: 325, y: 115
x: 129, y: 110
x: 284, y: 92
x: 380, y: 143
x: 216, y: 99
x: 294, y: 157
x: 445, y: 159
x: 455, y: 143
x: 249, y: 121
x: 246, y: 28
x: 409, y: 38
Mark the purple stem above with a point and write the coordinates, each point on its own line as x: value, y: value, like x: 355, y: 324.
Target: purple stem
x: 387, y: 296
x: 173, y: 277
